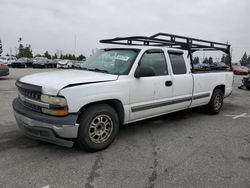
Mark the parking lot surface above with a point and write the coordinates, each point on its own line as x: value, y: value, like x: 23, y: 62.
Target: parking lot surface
x: 183, y: 149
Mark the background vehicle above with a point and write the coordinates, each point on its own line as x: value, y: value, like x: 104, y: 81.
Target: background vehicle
x: 53, y: 63
x: 239, y: 70
x: 4, y: 70
x: 40, y: 62
x: 201, y: 67
x: 7, y: 60
x: 118, y: 86
x: 248, y: 68
x: 218, y: 66
x: 77, y: 64
x: 22, y: 63
x: 64, y: 63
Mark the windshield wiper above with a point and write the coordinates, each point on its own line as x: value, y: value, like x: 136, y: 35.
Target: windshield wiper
x: 96, y: 70
x: 99, y: 70
x: 84, y: 68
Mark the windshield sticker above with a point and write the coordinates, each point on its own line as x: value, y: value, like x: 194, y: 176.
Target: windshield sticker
x: 122, y: 58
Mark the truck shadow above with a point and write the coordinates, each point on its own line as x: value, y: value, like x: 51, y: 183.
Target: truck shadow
x: 166, y: 120
x: 16, y: 140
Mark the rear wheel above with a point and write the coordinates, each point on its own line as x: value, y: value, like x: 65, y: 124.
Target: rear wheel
x: 99, y: 125
x: 216, y: 102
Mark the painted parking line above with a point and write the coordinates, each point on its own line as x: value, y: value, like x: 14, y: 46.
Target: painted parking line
x: 243, y: 115
x: 47, y: 186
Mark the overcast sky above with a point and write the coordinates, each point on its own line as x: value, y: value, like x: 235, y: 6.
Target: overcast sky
x: 54, y: 24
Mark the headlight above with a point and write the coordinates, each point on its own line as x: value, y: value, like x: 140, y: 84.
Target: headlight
x: 60, y: 105
x: 54, y: 100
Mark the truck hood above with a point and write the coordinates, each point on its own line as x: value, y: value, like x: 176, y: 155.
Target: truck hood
x: 53, y: 82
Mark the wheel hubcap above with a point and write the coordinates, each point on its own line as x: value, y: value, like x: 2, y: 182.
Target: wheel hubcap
x: 217, y: 102
x: 100, y: 129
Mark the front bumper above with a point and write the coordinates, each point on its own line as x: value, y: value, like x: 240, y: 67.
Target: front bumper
x: 56, y: 130
x: 4, y: 71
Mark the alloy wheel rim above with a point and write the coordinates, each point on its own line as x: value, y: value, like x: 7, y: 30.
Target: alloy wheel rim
x: 218, y: 102
x: 100, y: 128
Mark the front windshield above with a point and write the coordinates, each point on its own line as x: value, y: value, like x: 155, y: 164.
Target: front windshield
x: 112, y: 61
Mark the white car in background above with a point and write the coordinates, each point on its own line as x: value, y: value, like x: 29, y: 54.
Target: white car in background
x: 65, y: 64
x: 7, y: 60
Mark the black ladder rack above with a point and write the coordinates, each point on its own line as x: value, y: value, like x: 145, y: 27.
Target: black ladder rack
x: 172, y: 41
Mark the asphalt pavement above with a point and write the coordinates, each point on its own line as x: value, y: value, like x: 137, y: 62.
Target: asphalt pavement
x: 184, y: 149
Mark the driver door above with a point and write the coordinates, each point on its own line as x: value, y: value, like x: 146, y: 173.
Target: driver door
x: 149, y: 94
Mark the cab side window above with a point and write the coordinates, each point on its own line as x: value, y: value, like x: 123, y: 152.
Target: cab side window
x: 155, y: 59
x: 177, y: 62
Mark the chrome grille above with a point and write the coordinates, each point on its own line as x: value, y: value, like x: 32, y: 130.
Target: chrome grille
x: 29, y: 93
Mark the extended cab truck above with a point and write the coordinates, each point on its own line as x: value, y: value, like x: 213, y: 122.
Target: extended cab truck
x: 116, y: 86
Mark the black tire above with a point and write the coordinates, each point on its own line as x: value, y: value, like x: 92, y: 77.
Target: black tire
x: 216, y: 102
x: 90, y: 124
x: 248, y: 88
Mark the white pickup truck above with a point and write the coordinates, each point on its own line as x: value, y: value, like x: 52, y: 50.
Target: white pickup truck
x: 117, y: 86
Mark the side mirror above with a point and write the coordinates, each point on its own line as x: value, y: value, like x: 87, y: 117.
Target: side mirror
x: 144, y: 72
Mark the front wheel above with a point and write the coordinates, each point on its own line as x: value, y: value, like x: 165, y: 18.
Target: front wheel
x: 216, y: 102
x: 99, y: 125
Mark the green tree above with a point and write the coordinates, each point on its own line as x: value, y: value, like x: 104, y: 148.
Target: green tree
x: 28, y: 51
x: 47, y: 55
x: 83, y: 58
x: 1, y: 47
x: 244, y: 60
x: 205, y: 61
x: 210, y: 60
x: 196, y: 60
x: 24, y: 51
x: 248, y: 60
x: 225, y: 59
x: 20, y: 51
x: 54, y: 56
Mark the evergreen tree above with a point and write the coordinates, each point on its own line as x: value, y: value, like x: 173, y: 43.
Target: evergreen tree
x: 244, y: 60
x: 47, y: 55
x: 248, y: 60
x: 196, y: 61
x: 210, y: 60
x: 55, y: 56
x: 20, y: 51
x: 83, y: 58
x: 205, y: 61
x: 223, y: 58
x: 227, y: 59
x: 27, y: 51
x: 24, y: 51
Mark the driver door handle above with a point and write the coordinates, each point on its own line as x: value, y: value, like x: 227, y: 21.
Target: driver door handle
x: 168, y: 83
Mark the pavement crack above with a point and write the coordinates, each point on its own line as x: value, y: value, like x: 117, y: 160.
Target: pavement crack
x: 244, y: 158
x: 94, y: 171
x: 153, y: 176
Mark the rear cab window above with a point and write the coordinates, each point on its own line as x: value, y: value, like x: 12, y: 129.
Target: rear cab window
x: 177, y: 62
